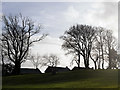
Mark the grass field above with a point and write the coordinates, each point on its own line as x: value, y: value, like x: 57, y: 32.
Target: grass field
x: 71, y: 79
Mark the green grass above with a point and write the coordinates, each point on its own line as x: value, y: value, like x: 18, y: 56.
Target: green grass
x: 72, y: 79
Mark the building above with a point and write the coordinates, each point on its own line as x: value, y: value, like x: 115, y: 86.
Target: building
x: 78, y: 68
x: 56, y: 69
x: 29, y: 71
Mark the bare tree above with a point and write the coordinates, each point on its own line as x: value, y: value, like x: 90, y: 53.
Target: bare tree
x: 17, y: 38
x: 51, y: 60
x: 98, y: 53
x: 76, y: 60
x: 111, y: 45
x: 100, y: 43
x: 78, y: 40
x: 104, y: 43
x: 36, y: 60
x: 118, y: 60
x: 95, y: 54
x: 114, y: 59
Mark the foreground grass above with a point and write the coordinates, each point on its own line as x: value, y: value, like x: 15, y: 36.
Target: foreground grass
x: 72, y: 79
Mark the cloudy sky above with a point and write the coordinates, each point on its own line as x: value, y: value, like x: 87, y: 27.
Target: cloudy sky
x: 57, y: 17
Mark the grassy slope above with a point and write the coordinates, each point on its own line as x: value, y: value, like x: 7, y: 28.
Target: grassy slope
x: 72, y: 79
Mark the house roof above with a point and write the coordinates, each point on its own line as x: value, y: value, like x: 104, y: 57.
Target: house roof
x: 78, y: 68
x: 58, y: 69
x: 29, y: 71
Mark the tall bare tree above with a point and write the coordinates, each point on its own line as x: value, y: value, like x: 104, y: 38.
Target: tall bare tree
x: 111, y: 44
x: 36, y: 60
x: 114, y: 59
x: 78, y: 40
x: 100, y: 43
x: 95, y: 54
x: 104, y: 43
x: 17, y: 38
x: 51, y: 60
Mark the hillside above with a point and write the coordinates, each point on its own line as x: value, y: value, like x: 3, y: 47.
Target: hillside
x: 71, y: 79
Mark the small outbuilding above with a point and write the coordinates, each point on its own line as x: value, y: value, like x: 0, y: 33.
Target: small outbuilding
x: 56, y: 69
x: 29, y: 71
x: 80, y: 68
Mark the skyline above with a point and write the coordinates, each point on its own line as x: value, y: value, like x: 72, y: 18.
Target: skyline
x: 57, y: 17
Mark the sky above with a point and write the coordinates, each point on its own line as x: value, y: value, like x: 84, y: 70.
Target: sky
x: 57, y: 17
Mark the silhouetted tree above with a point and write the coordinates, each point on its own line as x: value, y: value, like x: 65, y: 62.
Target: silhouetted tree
x: 76, y: 60
x: 111, y: 45
x: 78, y: 40
x: 95, y: 54
x: 118, y: 59
x: 98, y: 53
x: 36, y: 60
x: 100, y: 46
x: 101, y: 41
x: 17, y: 38
x: 103, y: 45
x: 51, y: 60
x: 114, y: 59
x: 3, y: 58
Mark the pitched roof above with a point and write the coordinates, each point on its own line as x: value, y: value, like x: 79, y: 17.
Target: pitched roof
x: 78, y: 68
x: 29, y: 71
x: 58, y: 69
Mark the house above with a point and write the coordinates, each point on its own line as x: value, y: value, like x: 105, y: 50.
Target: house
x: 81, y: 68
x: 29, y: 71
x: 56, y: 69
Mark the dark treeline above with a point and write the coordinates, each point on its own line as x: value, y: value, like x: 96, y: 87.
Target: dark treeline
x: 91, y: 43
x: 95, y: 43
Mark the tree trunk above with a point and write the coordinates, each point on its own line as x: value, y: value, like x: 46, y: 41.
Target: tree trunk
x: 3, y: 65
x: 16, y: 70
x: 99, y: 64
x: 102, y: 57
x: 3, y: 60
x: 103, y: 64
x: 109, y: 67
x: 78, y: 60
x: 95, y: 65
x: 86, y: 62
x: 99, y: 60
